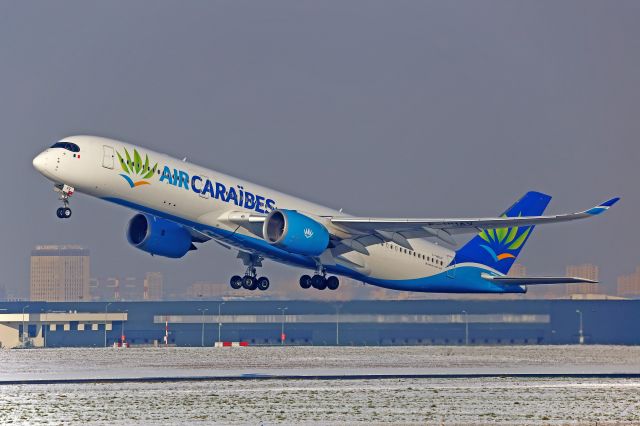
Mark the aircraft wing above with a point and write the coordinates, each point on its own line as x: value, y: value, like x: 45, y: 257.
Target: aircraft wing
x: 443, y: 228
x: 356, y: 233
x: 537, y: 280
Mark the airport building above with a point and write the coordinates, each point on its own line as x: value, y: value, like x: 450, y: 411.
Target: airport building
x: 408, y: 322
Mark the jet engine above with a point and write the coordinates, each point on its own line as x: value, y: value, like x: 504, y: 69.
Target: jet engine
x: 295, y: 233
x: 159, y: 236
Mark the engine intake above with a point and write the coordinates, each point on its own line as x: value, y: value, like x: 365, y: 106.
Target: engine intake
x: 159, y: 236
x: 295, y: 233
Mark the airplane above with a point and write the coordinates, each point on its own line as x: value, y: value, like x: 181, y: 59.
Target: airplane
x: 180, y: 205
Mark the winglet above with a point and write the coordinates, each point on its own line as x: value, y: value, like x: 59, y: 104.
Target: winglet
x: 602, y: 207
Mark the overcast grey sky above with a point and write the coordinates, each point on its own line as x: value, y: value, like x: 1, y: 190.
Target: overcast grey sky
x: 399, y: 108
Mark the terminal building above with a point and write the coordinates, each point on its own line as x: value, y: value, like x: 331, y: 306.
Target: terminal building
x: 410, y: 322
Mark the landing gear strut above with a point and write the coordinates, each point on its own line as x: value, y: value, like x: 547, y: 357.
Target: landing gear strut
x: 250, y: 281
x: 65, y: 192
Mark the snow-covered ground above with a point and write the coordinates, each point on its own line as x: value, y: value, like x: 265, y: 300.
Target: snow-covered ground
x: 487, y: 400
x: 180, y: 362
x: 398, y: 401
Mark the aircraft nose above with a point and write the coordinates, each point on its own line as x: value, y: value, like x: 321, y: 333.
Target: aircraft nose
x: 40, y: 162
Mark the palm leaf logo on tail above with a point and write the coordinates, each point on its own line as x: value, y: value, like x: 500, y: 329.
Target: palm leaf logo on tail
x: 504, y: 243
x: 136, y: 171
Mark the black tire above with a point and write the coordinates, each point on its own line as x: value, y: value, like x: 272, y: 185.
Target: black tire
x: 305, y: 281
x: 66, y: 212
x: 318, y: 282
x: 236, y: 282
x: 60, y: 213
x: 333, y: 283
x: 254, y: 284
x: 263, y: 283
x: 249, y: 283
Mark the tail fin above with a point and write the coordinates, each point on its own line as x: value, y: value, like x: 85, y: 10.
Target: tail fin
x: 499, y: 248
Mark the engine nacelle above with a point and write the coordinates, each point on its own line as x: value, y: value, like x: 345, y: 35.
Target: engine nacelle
x: 159, y: 236
x: 295, y: 233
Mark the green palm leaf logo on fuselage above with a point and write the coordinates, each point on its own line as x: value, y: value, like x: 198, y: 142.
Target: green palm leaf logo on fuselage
x: 136, y: 171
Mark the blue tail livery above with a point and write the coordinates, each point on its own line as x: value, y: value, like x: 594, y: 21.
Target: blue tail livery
x: 499, y: 248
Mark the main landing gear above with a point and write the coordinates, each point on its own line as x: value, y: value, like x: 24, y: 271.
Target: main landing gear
x: 320, y: 281
x: 65, y: 192
x: 250, y: 281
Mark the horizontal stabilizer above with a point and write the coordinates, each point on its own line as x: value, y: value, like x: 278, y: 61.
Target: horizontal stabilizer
x: 537, y: 280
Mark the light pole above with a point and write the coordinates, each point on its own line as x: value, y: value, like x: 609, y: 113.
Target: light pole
x: 43, y: 327
x: 105, y: 323
x: 466, y: 328
x: 580, y: 330
x: 282, y: 336
x: 25, y: 307
x: 202, y: 311
x: 219, y: 322
x: 122, y: 338
x: 337, y: 325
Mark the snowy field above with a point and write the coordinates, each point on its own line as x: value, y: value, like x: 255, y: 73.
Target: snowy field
x: 181, y: 362
x: 415, y: 401
x: 488, y: 400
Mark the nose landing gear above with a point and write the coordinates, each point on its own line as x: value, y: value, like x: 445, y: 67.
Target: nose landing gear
x: 65, y: 192
x: 63, y: 212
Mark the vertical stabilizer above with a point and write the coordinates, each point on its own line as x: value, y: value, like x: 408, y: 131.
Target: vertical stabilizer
x: 499, y: 248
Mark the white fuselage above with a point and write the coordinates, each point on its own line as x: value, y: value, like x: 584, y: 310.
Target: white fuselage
x: 96, y: 170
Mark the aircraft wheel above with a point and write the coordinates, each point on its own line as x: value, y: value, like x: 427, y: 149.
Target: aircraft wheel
x: 60, y: 213
x: 249, y: 283
x: 333, y: 283
x: 319, y: 282
x: 305, y: 281
x: 263, y: 283
x: 236, y: 282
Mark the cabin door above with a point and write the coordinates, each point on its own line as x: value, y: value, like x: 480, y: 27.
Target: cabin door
x: 108, y: 157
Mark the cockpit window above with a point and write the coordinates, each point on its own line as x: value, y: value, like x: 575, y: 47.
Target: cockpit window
x: 66, y: 145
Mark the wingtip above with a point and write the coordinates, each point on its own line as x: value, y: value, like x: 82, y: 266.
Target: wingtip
x: 603, y: 207
x: 610, y: 203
